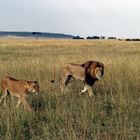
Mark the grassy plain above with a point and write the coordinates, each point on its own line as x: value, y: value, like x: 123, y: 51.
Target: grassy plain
x: 113, y: 113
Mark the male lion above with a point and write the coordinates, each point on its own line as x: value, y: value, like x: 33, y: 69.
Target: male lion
x: 18, y: 88
x: 88, y: 72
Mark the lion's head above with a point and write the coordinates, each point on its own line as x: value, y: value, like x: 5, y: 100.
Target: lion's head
x: 33, y: 87
x: 98, y: 72
x: 94, y: 69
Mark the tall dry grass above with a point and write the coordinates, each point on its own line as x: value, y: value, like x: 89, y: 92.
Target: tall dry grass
x: 113, y: 113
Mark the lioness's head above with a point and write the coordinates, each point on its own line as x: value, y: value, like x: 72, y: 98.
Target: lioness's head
x: 33, y: 87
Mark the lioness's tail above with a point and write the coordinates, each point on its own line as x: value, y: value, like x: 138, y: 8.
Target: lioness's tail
x: 57, y: 80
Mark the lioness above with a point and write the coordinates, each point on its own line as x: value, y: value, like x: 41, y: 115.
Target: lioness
x: 88, y: 72
x: 18, y: 88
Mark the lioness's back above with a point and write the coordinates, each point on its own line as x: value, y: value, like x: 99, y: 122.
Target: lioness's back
x: 13, y: 85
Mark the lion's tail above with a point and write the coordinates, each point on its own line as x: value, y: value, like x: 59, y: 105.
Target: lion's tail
x: 57, y: 80
x: 52, y: 81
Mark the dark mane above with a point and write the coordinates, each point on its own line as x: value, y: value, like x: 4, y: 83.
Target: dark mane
x: 88, y: 66
x: 89, y: 63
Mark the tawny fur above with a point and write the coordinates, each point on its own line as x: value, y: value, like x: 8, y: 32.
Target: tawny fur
x: 18, y: 88
x: 88, y: 72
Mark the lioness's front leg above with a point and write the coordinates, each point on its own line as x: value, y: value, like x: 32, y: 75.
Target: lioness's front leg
x: 19, y: 102
x: 1, y: 99
x: 4, y: 94
x: 25, y: 103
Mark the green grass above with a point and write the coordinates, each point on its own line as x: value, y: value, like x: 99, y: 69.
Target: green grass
x: 113, y: 113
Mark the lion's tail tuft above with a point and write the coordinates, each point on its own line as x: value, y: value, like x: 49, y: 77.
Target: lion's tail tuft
x: 52, y: 81
x: 57, y: 80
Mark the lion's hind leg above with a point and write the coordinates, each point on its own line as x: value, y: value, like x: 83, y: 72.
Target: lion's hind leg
x: 64, y: 81
x: 68, y: 79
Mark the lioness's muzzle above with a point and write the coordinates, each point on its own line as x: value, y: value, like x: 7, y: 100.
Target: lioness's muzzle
x: 36, y: 92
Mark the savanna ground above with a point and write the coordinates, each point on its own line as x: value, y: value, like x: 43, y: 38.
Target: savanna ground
x: 112, y: 113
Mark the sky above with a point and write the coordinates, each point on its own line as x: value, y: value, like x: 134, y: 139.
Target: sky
x: 119, y: 18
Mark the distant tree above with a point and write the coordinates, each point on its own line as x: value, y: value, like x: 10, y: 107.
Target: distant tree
x: 36, y: 34
x: 134, y: 39
x: 93, y: 37
x: 112, y: 38
x: 102, y: 37
x: 88, y: 37
x: 128, y: 39
x: 77, y: 37
x: 119, y: 39
x: 96, y: 37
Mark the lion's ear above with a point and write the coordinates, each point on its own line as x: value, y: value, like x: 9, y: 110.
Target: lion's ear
x: 101, y: 64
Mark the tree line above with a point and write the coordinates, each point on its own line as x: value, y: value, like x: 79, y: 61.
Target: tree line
x: 103, y: 37
x: 93, y: 37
